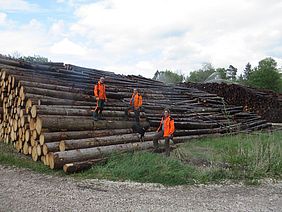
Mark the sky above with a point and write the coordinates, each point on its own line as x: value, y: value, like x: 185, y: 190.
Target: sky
x: 142, y: 36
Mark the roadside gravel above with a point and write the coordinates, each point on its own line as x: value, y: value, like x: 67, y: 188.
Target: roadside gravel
x: 24, y: 190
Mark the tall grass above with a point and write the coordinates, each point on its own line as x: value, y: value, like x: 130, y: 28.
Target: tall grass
x: 242, y: 157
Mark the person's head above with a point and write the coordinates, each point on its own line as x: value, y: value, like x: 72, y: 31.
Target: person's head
x: 135, y: 90
x: 166, y: 112
x: 102, y: 79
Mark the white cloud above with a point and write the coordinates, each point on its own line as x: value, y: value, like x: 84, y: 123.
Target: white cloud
x: 57, y: 28
x: 3, y: 17
x: 17, y: 5
x: 74, y: 3
x: 67, y: 47
x: 141, y: 36
x: 29, y: 39
x: 180, y: 34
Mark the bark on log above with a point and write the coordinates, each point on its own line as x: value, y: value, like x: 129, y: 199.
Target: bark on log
x: 74, y: 167
x: 59, y: 94
x: 66, y: 111
x: 102, y: 141
x: 56, y: 123
x: 57, y: 136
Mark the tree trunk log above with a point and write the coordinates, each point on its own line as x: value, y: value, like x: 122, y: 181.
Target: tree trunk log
x: 56, y: 123
x: 66, y: 111
x: 74, y: 167
x: 102, y: 141
x: 57, y: 136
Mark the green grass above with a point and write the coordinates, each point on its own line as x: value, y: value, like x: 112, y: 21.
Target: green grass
x: 242, y: 157
x: 247, y: 157
x: 143, y: 167
x: 9, y: 156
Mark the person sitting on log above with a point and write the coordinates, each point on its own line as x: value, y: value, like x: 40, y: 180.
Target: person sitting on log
x: 100, y: 94
x: 165, y: 130
x: 135, y: 105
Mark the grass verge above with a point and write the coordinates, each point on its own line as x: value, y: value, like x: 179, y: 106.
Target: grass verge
x: 243, y: 157
x: 9, y: 156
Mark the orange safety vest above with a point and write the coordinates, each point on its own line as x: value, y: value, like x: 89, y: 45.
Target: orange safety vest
x: 100, y: 91
x: 137, y: 100
x: 168, y: 126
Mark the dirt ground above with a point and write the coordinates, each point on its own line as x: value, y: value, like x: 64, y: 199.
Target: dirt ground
x: 24, y: 190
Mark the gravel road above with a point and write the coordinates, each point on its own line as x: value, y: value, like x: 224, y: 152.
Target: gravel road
x: 24, y: 190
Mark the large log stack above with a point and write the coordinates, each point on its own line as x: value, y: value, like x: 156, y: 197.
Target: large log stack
x: 265, y: 103
x: 47, y: 113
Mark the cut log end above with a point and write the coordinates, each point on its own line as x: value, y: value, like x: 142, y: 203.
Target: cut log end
x: 62, y: 146
x: 38, y: 125
x: 51, y: 160
x: 45, y: 149
x: 34, y: 154
x: 33, y: 111
x: 39, y: 150
x: 41, y: 139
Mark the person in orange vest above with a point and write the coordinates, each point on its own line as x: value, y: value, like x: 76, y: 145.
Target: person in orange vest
x: 100, y: 94
x: 165, y: 130
x: 135, y: 105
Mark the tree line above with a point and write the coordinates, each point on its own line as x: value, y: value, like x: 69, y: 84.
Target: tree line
x: 32, y: 59
x: 266, y: 75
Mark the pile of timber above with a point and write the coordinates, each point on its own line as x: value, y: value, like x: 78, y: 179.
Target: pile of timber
x: 47, y: 113
x: 265, y: 103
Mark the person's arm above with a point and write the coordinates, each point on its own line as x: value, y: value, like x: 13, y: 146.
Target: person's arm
x: 171, y: 127
x: 96, y: 91
x: 105, y: 93
x: 140, y: 101
x: 130, y: 102
x: 160, y: 126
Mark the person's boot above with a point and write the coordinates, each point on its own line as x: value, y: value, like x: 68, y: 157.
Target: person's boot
x: 167, y: 152
x: 95, y: 116
x: 125, y: 115
x: 156, y: 147
x: 100, y: 117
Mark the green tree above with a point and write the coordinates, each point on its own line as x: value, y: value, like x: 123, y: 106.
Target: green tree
x: 222, y: 72
x: 202, y: 74
x: 231, y: 73
x: 168, y: 77
x: 156, y: 75
x: 32, y: 59
x: 247, y: 71
x: 241, y: 79
x: 266, y: 75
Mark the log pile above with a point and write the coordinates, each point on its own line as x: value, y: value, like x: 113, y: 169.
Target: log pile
x: 265, y: 103
x: 47, y: 113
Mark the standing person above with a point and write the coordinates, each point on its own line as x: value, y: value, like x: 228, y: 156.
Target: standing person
x: 135, y: 105
x: 165, y: 130
x: 100, y: 94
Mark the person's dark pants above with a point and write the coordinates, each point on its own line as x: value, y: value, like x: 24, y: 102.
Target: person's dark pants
x: 156, y: 138
x: 136, y: 113
x: 99, y: 108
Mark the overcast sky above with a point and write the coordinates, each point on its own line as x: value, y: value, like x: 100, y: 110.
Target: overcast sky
x: 141, y: 36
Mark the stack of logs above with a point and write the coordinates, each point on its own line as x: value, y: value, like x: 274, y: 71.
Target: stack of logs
x: 47, y: 113
x: 265, y: 103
